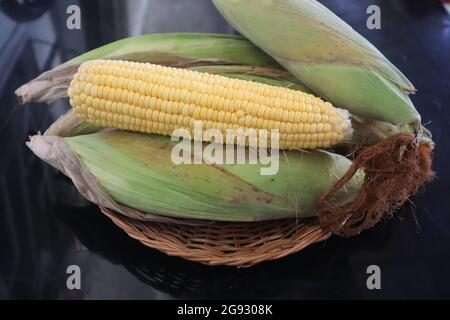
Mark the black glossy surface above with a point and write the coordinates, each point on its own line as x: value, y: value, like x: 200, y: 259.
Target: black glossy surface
x: 45, y: 226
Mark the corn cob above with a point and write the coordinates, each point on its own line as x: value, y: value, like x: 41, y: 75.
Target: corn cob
x: 136, y: 172
x: 155, y: 99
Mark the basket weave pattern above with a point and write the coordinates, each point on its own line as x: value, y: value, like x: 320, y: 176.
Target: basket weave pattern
x: 224, y: 243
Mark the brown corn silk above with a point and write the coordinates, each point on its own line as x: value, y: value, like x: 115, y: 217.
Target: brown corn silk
x: 395, y: 169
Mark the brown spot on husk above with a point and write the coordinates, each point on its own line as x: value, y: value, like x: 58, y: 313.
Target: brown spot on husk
x: 265, y: 200
x: 394, y: 168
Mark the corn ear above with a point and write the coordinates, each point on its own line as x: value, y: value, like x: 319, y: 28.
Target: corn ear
x: 227, y: 55
x: 133, y: 174
x: 327, y: 55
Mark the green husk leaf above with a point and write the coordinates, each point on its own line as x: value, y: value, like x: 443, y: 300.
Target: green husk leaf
x: 181, y: 49
x: 326, y: 55
x: 228, y: 53
x: 362, y: 91
x: 267, y: 76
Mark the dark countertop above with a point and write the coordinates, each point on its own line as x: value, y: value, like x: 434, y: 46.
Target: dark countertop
x: 45, y: 226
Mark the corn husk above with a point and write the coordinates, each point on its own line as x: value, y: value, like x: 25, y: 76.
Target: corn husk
x: 327, y: 55
x: 341, y: 66
x: 227, y: 55
x: 134, y: 174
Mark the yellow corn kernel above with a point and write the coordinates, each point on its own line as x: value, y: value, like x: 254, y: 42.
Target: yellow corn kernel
x: 157, y: 99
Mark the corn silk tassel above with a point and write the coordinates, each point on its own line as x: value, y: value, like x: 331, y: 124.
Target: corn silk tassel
x: 341, y: 66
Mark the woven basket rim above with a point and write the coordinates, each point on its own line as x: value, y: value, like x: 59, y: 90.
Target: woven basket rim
x: 238, y: 244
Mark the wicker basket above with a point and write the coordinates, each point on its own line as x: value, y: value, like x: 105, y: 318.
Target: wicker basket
x: 224, y: 243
